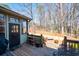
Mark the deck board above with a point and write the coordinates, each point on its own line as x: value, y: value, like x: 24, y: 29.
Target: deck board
x: 28, y: 50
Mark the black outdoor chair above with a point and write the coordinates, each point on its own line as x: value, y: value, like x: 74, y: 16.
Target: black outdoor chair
x: 3, y: 44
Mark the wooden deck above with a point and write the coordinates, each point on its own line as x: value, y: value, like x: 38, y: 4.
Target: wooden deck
x: 28, y: 50
x: 51, y: 49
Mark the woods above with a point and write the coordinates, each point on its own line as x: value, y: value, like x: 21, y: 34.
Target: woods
x: 58, y: 18
x: 55, y: 18
x: 52, y: 17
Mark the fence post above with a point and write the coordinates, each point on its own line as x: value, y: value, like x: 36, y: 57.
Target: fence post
x: 42, y: 41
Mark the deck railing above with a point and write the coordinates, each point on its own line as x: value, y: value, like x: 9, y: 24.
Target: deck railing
x: 71, y: 46
x: 36, y: 40
x: 68, y: 43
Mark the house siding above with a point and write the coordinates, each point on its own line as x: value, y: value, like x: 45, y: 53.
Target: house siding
x: 23, y: 37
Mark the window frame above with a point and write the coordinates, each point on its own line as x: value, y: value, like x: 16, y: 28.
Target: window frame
x: 14, y: 19
x: 22, y: 26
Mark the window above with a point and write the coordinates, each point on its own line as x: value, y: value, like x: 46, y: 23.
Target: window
x: 23, y: 27
x: 14, y: 28
x: 1, y: 16
x: 2, y: 27
x: 14, y: 20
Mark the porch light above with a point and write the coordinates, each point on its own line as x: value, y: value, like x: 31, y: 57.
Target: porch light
x: 28, y: 20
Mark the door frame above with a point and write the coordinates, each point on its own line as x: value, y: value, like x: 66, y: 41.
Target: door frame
x: 9, y: 32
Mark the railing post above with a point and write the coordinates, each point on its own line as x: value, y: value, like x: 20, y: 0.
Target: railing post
x: 69, y: 45
x: 65, y: 44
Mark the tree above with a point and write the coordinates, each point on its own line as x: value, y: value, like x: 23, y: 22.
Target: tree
x: 41, y: 14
